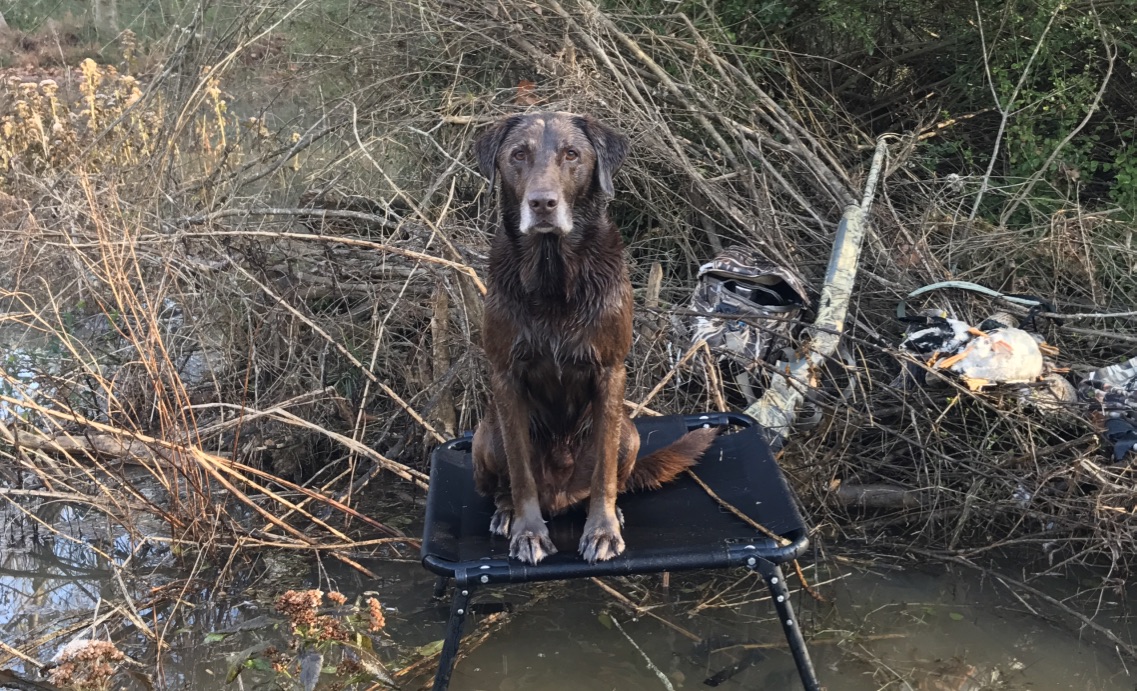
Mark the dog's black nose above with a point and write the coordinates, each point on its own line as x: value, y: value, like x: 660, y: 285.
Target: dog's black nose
x: 542, y: 201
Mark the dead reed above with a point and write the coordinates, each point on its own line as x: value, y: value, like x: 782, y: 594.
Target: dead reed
x: 235, y: 316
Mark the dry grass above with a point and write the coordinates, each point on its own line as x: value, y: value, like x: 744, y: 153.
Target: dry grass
x: 733, y: 147
x: 264, y: 308
x: 152, y: 372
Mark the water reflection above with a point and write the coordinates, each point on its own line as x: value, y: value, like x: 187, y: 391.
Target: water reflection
x: 908, y: 629
x: 887, y: 628
x: 42, y: 574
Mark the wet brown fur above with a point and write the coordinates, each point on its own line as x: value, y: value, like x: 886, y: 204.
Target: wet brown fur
x: 558, y: 327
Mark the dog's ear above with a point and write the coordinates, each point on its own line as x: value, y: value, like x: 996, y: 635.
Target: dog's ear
x: 488, y: 144
x: 611, y: 149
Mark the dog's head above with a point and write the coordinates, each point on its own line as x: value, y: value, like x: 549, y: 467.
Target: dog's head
x: 551, y: 165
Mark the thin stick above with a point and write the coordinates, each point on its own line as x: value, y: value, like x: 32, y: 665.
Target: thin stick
x: 782, y: 542
x: 714, y: 377
x: 337, y: 239
x: 651, y: 300
x: 640, y: 610
x: 642, y: 410
x: 663, y: 382
x: 1089, y: 315
x: 806, y: 586
x: 14, y: 652
x: 1004, y: 110
x: 651, y: 665
x: 812, y: 642
x: 249, y: 414
x: 445, y: 412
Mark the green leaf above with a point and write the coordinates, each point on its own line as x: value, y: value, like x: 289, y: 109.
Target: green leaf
x: 956, y: 616
x: 259, y: 663
x: 605, y: 620
x: 249, y: 657
x: 429, y: 649
x: 215, y: 637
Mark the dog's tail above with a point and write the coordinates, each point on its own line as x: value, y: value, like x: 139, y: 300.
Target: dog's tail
x: 664, y: 465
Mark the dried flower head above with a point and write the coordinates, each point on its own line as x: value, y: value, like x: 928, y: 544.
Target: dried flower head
x: 86, y: 664
x: 299, y: 606
x: 327, y: 628
x: 375, y: 611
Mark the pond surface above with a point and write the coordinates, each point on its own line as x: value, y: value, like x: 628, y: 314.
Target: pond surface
x: 927, y: 629
x: 906, y: 628
x: 888, y: 628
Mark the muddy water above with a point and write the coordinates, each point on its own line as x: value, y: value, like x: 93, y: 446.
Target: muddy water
x: 889, y: 628
x: 893, y: 628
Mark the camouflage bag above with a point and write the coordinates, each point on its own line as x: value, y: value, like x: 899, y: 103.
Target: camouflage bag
x: 1112, y: 391
x: 754, y: 302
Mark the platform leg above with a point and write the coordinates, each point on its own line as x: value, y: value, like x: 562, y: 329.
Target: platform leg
x: 440, y: 586
x: 458, y: 611
x: 781, y: 596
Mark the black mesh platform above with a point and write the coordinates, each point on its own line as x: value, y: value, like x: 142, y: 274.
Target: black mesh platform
x: 674, y: 528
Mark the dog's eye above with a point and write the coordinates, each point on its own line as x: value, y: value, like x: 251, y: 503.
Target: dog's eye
x: 571, y: 155
x: 519, y: 155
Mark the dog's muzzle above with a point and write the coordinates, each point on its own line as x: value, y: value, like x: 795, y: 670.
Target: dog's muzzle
x: 545, y: 212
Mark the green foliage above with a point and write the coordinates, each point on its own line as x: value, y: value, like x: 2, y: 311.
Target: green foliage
x: 898, y: 66
x: 146, y: 18
x: 1124, y: 169
x: 1057, y: 93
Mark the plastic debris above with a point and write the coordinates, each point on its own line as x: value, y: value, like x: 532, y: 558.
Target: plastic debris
x: 937, y: 335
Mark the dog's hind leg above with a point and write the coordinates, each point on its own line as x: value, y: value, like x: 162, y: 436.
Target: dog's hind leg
x: 629, y: 449
x: 503, y: 513
x: 491, y: 472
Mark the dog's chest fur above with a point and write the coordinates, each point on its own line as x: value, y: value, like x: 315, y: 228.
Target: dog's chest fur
x: 562, y: 311
x: 557, y: 350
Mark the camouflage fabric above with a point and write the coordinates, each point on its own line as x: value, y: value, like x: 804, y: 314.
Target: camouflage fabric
x: 1114, y: 389
x: 741, y: 287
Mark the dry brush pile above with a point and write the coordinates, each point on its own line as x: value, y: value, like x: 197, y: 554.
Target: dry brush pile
x: 265, y: 312
x: 729, y: 147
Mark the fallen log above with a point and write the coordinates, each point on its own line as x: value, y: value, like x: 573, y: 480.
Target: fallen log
x: 878, y: 496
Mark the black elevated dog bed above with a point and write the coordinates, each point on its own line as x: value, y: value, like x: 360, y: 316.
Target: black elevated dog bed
x: 676, y: 528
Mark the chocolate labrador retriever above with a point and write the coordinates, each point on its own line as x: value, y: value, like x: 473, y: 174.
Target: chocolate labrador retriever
x: 558, y: 326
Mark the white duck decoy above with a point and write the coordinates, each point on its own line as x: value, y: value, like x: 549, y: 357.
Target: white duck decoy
x: 940, y: 335
x: 1004, y: 354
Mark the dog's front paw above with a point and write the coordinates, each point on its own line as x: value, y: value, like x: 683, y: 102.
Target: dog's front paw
x: 601, y: 540
x: 502, y: 519
x: 531, y: 546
